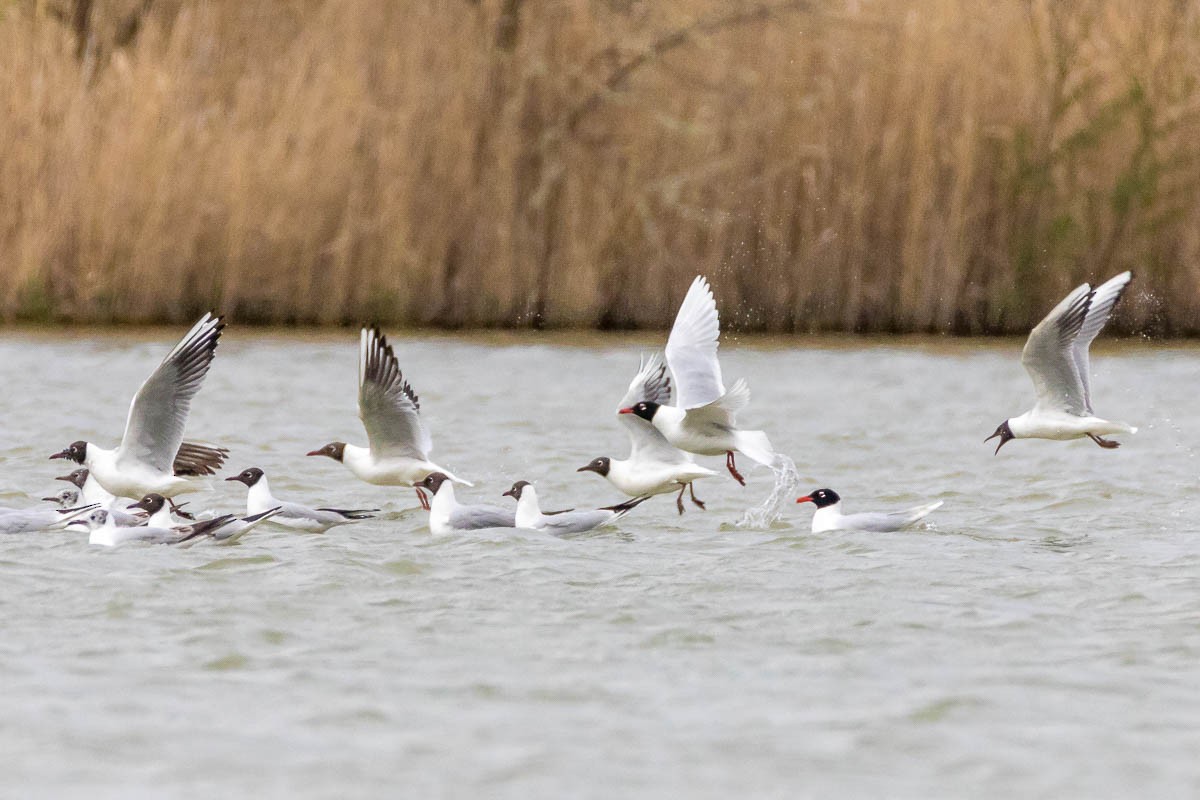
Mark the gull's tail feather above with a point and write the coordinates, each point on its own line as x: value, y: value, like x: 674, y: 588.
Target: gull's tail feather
x: 621, y: 509
x: 917, y: 513
x: 353, y: 513
x: 757, y: 446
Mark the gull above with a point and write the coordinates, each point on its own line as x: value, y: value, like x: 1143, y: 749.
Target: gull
x: 70, y: 498
x: 230, y: 530
x: 829, y: 516
x: 561, y: 523
x: 158, y: 511
x: 399, y: 444
x: 236, y: 528
x: 67, y: 498
x: 293, y: 515
x: 89, y: 491
x: 654, y: 465
x: 1056, y: 358
x: 152, y: 456
x: 105, y: 532
x: 447, y: 515
x: 29, y: 520
x: 703, y: 420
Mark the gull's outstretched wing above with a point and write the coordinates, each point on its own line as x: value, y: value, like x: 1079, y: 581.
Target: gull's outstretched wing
x: 651, y: 384
x: 1103, y: 300
x: 159, y: 411
x: 646, y: 444
x: 692, y: 348
x: 387, y: 404
x: 1049, y: 356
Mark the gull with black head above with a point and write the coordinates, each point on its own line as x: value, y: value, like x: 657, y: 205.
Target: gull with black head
x: 654, y: 466
x: 830, y: 517
x: 447, y: 515
x: 563, y: 523
x: 1056, y: 358
x: 703, y: 421
x: 152, y: 456
x: 398, y: 442
x: 293, y: 515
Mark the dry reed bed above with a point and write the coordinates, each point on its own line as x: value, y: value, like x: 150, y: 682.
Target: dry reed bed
x: 897, y: 165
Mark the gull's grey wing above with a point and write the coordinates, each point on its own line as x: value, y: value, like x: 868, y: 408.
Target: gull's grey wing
x: 1104, y: 299
x: 297, y: 511
x: 1049, y: 359
x: 475, y: 517
x: 159, y: 411
x: 576, y: 521
x: 888, y: 521
x: 651, y: 384
x: 28, y: 520
x: 387, y: 405
x: 692, y: 348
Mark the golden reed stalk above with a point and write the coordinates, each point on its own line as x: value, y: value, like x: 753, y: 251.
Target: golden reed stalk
x: 854, y: 165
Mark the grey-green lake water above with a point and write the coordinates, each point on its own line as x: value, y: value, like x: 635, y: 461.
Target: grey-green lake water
x: 1041, y: 637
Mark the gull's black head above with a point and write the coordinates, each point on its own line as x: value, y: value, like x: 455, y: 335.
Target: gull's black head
x: 600, y: 466
x: 77, y: 452
x: 645, y: 409
x: 335, y: 450
x: 433, y: 481
x: 517, y: 488
x: 78, y: 478
x: 820, y: 498
x: 1004, y: 432
x: 249, y: 476
x: 151, y: 503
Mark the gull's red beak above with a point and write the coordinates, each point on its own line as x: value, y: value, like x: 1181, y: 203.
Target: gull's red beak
x: 806, y: 499
x: 314, y: 453
x: 625, y: 411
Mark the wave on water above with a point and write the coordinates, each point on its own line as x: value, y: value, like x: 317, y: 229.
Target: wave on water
x: 787, y: 479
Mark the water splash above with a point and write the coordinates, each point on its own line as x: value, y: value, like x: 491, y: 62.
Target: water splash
x: 787, y: 479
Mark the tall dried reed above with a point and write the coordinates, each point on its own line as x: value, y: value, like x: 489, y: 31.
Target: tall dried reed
x: 860, y: 165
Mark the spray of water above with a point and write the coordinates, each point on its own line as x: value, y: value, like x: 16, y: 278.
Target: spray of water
x: 787, y: 479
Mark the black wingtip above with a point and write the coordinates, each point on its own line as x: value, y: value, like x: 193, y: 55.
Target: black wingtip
x: 628, y: 505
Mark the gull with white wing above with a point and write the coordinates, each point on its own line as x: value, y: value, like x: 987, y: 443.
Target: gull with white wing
x: 830, y: 517
x: 654, y: 466
x: 399, y: 444
x: 152, y: 456
x: 1056, y: 358
x: 703, y: 421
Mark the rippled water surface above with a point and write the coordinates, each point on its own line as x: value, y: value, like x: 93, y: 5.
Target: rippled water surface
x: 1040, y: 638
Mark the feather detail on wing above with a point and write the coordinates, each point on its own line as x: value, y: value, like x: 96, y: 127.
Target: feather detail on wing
x: 692, y: 348
x: 1104, y: 299
x: 387, y: 405
x: 159, y: 411
x: 1048, y: 357
x: 651, y: 384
